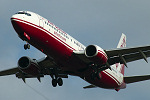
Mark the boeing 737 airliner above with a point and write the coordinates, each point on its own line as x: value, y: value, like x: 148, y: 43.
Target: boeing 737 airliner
x: 66, y: 56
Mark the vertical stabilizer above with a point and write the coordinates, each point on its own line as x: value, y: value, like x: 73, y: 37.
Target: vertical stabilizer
x: 121, y: 44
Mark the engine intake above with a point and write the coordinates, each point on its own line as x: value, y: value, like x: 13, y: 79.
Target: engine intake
x: 96, y: 54
x: 91, y: 51
x: 28, y: 66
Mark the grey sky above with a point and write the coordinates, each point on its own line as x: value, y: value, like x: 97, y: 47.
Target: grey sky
x: 98, y: 22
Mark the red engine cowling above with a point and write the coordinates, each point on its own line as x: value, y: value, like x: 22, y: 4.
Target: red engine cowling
x: 28, y: 66
x: 96, y: 54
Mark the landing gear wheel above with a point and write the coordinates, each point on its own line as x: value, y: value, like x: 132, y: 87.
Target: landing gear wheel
x: 54, y: 82
x: 60, y: 81
x: 26, y: 46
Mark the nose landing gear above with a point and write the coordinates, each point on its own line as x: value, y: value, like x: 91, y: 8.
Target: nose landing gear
x: 27, y: 46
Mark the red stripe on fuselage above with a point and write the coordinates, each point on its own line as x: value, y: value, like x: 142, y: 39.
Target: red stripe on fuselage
x: 41, y: 28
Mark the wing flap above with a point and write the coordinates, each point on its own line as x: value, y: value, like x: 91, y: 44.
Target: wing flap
x: 133, y: 79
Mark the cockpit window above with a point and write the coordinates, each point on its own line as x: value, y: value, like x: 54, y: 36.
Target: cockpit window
x: 20, y: 13
x: 28, y: 14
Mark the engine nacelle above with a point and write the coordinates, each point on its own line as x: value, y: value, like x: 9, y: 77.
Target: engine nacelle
x: 28, y: 66
x: 96, y: 54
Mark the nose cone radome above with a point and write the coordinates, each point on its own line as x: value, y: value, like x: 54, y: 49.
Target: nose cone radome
x: 16, y: 23
x: 18, y: 16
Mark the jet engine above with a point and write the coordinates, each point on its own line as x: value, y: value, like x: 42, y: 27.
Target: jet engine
x: 28, y: 66
x: 96, y: 54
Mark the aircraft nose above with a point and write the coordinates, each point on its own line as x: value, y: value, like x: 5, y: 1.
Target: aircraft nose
x: 11, y: 18
x: 16, y: 16
x: 15, y: 20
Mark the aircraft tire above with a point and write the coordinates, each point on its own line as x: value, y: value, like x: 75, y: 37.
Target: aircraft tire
x: 26, y: 46
x: 54, y: 82
x: 60, y: 81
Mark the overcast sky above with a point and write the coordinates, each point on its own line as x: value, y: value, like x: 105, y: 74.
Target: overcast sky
x: 98, y: 22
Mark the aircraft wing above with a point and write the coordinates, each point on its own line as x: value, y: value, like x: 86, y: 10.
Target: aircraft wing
x: 42, y: 62
x: 125, y: 55
x: 121, y: 55
x: 46, y: 65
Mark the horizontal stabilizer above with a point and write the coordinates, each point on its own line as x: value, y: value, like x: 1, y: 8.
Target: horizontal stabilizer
x: 132, y: 79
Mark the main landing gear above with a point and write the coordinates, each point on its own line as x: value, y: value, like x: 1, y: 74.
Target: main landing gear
x: 58, y: 81
x: 55, y: 79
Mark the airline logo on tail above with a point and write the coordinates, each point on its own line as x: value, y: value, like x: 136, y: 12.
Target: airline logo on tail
x: 122, y: 42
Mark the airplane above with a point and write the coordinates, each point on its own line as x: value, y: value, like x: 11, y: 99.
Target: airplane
x: 66, y: 56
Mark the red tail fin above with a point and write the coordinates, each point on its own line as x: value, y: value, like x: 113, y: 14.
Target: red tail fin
x: 122, y: 42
